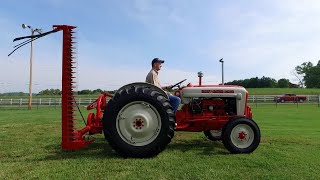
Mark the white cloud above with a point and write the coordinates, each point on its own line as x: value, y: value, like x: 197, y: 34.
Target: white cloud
x: 271, y: 40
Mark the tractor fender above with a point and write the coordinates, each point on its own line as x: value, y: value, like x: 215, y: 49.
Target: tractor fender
x: 144, y: 85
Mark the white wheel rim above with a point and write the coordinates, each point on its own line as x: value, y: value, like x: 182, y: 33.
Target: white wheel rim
x: 242, y: 136
x: 138, y: 123
x: 215, y: 133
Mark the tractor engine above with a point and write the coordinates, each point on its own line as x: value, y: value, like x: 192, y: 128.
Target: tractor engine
x: 213, y: 106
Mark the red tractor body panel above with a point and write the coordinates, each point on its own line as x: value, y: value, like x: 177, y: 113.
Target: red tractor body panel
x: 212, y: 112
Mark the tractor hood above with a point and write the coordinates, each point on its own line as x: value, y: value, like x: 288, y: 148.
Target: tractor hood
x: 237, y: 92
x: 214, y: 91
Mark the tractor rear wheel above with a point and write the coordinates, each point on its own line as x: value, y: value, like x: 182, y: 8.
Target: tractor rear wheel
x: 138, y: 122
x: 241, y: 135
x: 213, y: 135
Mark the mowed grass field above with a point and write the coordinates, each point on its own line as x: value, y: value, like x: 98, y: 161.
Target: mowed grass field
x: 279, y: 91
x: 289, y: 149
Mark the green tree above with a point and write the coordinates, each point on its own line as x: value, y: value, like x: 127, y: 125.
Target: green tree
x: 283, y: 83
x: 310, y: 73
x: 50, y: 92
x: 97, y: 91
x: 312, y: 77
x: 85, y: 91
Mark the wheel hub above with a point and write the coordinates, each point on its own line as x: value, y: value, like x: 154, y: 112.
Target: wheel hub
x: 138, y: 123
x: 242, y: 136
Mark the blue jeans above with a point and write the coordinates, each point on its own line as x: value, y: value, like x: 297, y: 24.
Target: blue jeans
x: 175, y: 102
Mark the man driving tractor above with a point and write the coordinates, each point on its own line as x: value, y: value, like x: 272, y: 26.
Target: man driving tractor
x: 152, y: 78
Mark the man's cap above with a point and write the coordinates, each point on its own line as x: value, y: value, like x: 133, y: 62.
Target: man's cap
x: 157, y: 60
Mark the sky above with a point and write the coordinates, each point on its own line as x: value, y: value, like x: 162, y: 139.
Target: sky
x: 116, y: 40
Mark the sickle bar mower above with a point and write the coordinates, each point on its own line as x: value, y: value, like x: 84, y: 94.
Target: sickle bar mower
x: 70, y: 137
x: 73, y: 139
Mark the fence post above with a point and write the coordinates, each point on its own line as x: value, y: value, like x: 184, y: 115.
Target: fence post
x: 59, y: 101
x: 11, y: 101
x: 318, y: 100
x: 49, y: 101
x: 253, y: 99
x: 79, y: 102
x: 20, y: 103
x: 40, y: 101
x: 264, y: 98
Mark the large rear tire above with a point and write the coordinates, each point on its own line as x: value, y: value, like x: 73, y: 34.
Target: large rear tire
x: 138, y: 122
x: 241, y: 135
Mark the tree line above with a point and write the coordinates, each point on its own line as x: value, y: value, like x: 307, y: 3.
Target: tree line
x: 307, y: 73
x: 82, y: 92
x: 264, y: 82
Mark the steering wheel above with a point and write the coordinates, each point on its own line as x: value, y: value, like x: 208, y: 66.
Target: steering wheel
x: 177, y: 84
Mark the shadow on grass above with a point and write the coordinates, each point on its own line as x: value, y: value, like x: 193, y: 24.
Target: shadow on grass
x: 96, y: 150
x: 101, y: 149
x: 199, y: 146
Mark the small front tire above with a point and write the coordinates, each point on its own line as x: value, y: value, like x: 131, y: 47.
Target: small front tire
x: 241, y: 135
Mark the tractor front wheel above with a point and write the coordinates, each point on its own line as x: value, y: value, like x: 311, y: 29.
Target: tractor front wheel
x: 241, y: 135
x: 138, y: 122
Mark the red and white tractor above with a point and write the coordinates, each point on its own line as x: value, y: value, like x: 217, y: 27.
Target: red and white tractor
x: 138, y: 120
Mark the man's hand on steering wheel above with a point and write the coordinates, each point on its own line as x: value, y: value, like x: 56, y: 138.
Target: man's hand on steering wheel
x: 168, y: 87
x: 175, y: 85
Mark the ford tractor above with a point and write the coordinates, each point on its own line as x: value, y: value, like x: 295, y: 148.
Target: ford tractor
x: 138, y: 120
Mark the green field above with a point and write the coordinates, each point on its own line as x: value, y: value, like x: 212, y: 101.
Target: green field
x: 279, y: 91
x: 289, y: 149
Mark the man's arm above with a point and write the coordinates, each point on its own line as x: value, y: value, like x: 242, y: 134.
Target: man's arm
x: 153, y: 79
x: 166, y: 87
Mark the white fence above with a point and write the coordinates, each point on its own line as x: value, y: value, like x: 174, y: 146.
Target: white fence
x: 270, y: 98
x: 54, y: 102
x: 23, y: 102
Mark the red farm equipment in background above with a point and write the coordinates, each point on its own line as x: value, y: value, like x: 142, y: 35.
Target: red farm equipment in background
x: 138, y: 120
